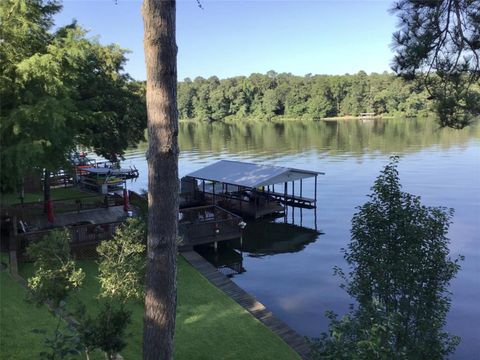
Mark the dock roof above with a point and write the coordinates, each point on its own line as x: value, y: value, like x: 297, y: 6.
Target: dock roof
x: 250, y: 175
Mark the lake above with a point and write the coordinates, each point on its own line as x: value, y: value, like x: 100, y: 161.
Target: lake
x: 289, y: 267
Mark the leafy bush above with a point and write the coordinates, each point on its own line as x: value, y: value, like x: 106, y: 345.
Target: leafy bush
x: 62, y: 344
x: 106, y: 331
x: 55, y: 272
x: 122, y: 262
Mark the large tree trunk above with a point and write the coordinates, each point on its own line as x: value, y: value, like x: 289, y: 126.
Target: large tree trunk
x: 161, y: 60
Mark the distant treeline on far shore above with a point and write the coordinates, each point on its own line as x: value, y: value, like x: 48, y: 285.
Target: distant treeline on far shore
x: 283, y: 95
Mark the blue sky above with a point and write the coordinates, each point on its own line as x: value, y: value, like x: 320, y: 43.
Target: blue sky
x: 229, y: 38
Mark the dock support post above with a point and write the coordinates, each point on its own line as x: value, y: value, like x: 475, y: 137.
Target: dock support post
x: 293, y: 202
x: 285, y: 201
x: 301, y: 186
x: 315, y: 210
x: 240, y: 198
x: 213, y: 197
x: 215, y: 246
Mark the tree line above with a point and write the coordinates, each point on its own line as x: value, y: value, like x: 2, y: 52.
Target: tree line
x: 265, y: 96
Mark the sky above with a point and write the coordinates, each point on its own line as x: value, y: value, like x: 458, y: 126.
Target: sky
x: 229, y: 37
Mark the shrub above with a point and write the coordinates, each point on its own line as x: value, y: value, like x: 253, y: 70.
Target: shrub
x: 122, y: 262
x: 55, y: 272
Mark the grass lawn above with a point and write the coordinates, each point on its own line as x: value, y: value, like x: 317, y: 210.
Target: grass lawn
x: 209, y: 324
x: 56, y: 194
x: 17, y: 320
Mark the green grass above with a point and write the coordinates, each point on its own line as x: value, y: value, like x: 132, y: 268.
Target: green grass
x: 209, y: 325
x: 17, y: 320
x: 56, y: 194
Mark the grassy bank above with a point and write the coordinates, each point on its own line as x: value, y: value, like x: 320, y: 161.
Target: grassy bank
x: 209, y: 324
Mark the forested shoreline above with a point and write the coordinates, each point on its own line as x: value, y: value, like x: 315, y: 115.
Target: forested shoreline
x: 272, y: 95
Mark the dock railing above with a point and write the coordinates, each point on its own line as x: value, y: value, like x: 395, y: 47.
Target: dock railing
x: 83, y: 238
x: 207, y: 224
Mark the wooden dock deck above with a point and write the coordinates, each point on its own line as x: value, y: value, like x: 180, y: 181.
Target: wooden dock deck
x: 207, y: 224
x: 249, y: 303
x: 294, y: 200
x: 250, y: 209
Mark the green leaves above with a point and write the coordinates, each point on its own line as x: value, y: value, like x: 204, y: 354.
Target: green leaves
x: 56, y: 274
x: 122, y: 262
x: 60, y: 90
x: 105, y: 331
x: 62, y: 344
x: 309, y: 97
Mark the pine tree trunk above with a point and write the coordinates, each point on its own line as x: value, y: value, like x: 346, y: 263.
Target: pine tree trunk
x: 161, y: 61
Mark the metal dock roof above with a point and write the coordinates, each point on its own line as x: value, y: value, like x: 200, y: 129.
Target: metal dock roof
x: 249, y: 174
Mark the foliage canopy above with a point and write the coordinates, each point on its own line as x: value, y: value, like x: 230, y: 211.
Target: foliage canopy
x: 105, y: 331
x: 122, y: 262
x: 60, y: 89
x: 310, y: 97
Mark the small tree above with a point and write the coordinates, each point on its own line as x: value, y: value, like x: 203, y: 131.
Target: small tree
x: 400, y: 272
x: 62, y: 344
x: 55, y: 272
x: 122, y: 262
x: 105, y: 331
x: 121, y: 275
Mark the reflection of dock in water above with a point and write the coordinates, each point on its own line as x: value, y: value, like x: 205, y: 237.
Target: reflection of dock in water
x: 259, y: 239
x: 271, y: 238
x: 227, y: 260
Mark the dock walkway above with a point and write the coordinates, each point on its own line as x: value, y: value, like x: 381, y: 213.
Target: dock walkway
x: 249, y: 303
x: 294, y: 200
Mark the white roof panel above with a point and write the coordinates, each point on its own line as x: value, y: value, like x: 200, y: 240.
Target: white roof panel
x: 249, y: 174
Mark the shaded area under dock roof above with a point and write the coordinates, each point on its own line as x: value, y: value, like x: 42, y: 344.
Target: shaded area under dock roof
x: 250, y: 175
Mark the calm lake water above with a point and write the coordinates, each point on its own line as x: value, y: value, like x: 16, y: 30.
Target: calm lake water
x: 289, y: 267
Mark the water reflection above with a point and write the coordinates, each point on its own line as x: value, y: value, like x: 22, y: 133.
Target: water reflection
x: 354, y: 137
x: 272, y: 238
x: 226, y: 259
x: 260, y: 238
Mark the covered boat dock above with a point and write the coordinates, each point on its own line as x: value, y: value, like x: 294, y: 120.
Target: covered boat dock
x: 249, y: 189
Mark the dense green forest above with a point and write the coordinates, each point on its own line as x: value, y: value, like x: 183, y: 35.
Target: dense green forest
x: 310, y: 97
